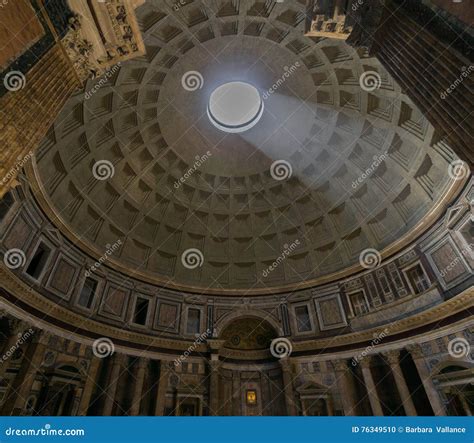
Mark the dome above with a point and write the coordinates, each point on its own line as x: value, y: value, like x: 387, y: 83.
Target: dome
x: 340, y: 160
x: 236, y: 208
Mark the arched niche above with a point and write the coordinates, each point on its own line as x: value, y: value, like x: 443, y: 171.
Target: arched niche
x: 248, y: 334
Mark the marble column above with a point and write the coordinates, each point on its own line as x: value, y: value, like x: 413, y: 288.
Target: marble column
x: 177, y: 409
x: 236, y: 394
x: 90, y: 383
x: 330, y: 406
x: 162, y: 388
x: 345, y: 387
x: 76, y: 400
x: 23, y: 382
x: 140, y: 372
x: 111, y: 390
x: 465, y: 405
x: 285, y: 364
x: 424, y: 373
x: 370, y: 386
x: 393, y: 359
x: 214, y: 366
x: 266, y: 400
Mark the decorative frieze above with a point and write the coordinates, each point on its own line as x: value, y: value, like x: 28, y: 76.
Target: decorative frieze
x: 102, y: 34
x: 96, y: 40
x: 330, y: 20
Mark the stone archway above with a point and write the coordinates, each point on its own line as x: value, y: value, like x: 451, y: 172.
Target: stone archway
x: 248, y: 334
x: 60, y: 392
x: 259, y: 314
x: 454, y: 381
x: 254, y: 388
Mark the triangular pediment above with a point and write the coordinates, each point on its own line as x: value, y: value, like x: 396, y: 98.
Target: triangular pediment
x: 311, y: 387
x: 454, y: 214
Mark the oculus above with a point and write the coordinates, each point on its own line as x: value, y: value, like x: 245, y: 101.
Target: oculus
x: 235, y: 107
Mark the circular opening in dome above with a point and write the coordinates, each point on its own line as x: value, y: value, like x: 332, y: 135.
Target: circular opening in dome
x: 235, y: 107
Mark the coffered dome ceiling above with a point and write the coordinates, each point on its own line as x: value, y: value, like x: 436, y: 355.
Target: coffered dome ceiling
x: 355, y: 168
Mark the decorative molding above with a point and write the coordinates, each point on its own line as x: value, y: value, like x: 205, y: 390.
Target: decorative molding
x: 73, y: 323
x: 324, y: 323
x: 102, y: 34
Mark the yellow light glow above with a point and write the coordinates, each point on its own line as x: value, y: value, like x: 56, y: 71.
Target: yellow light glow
x: 252, y: 397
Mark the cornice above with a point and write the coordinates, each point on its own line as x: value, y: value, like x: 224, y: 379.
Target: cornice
x: 38, y: 191
x: 69, y: 323
x: 457, y: 304
x: 27, y: 304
